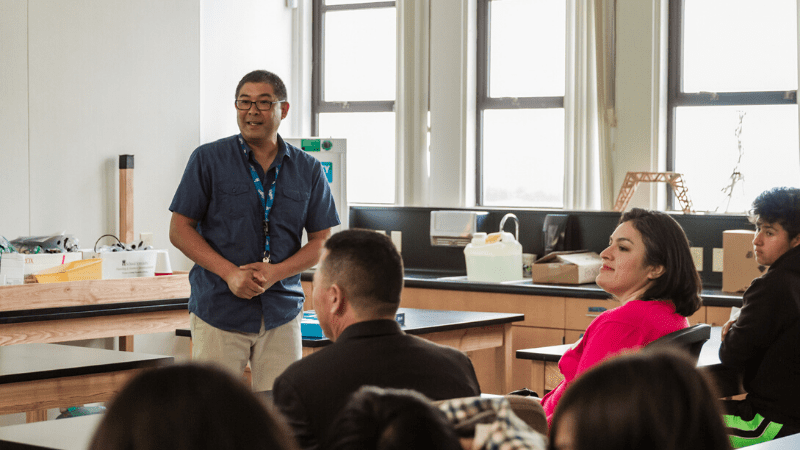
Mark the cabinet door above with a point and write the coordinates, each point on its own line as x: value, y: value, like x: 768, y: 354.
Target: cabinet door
x: 716, y: 316
x: 581, y: 312
x: 540, y: 311
x: 698, y: 317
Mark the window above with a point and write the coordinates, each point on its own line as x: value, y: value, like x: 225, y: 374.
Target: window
x: 355, y: 41
x: 521, y: 84
x: 733, y: 122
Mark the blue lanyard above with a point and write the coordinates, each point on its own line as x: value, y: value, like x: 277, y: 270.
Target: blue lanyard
x: 266, y: 200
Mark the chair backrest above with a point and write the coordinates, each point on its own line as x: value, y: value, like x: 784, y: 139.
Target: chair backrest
x: 530, y: 410
x: 690, y: 339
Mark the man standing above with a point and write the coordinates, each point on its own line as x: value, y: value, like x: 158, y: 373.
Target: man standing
x: 239, y: 214
x: 763, y: 341
x: 356, y: 295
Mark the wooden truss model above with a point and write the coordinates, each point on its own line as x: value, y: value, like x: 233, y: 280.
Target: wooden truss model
x: 632, y: 180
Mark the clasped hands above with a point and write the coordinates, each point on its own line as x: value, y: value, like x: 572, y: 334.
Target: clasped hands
x: 251, y: 279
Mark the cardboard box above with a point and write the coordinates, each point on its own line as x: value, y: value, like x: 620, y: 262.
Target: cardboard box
x: 739, y: 266
x: 577, y: 267
x: 42, y: 261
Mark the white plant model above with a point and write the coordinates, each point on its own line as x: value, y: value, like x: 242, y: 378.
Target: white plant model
x: 736, y: 175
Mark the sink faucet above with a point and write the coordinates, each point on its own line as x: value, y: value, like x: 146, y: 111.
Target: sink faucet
x: 516, y: 222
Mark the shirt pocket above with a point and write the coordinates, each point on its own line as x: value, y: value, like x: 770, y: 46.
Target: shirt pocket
x: 233, y: 199
x: 295, y: 208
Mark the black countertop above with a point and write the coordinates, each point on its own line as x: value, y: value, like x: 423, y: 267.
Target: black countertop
x: 424, y: 279
x: 29, y: 362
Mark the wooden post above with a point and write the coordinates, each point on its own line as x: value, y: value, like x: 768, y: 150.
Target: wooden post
x: 126, y: 198
x: 126, y: 220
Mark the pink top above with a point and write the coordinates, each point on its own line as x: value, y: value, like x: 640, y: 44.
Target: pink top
x: 630, y: 326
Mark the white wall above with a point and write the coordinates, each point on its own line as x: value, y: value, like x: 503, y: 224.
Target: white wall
x: 14, y: 185
x: 98, y: 79
x: 239, y: 36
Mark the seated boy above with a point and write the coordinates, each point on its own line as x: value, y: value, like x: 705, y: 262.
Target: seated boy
x: 764, y: 341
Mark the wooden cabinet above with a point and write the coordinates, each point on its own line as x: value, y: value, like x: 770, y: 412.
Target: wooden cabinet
x: 716, y: 316
x: 698, y: 317
x: 543, y: 325
x: 580, y: 312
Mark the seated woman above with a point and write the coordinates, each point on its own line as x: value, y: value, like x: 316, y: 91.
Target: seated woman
x: 655, y: 399
x: 648, y: 269
x: 189, y: 406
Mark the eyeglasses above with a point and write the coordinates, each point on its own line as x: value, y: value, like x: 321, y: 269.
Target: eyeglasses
x: 261, y: 105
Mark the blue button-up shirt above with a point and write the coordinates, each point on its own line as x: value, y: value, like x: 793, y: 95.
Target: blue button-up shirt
x: 218, y: 192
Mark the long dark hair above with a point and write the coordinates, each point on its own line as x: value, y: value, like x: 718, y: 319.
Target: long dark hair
x: 654, y: 399
x: 667, y: 245
x: 190, y: 407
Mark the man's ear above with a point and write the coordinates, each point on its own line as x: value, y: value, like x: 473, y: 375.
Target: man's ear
x: 655, y: 272
x: 337, y: 299
x: 795, y: 241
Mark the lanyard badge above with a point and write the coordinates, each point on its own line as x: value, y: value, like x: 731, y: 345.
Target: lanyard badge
x: 266, y: 198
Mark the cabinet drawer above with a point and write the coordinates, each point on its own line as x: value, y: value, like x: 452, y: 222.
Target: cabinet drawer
x: 572, y: 336
x: 581, y: 311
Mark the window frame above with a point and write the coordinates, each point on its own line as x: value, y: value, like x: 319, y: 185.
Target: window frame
x: 318, y: 103
x: 677, y: 98
x: 484, y: 102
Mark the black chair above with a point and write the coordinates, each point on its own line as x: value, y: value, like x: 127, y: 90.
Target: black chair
x: 690, y: 339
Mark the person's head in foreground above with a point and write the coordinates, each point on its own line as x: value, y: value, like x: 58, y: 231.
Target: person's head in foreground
x: 189, y: 406
x: 654, y: 399
x: 390, y: 419
x: 776, y: 214
x: 648, y: 258
x: 359, y: 277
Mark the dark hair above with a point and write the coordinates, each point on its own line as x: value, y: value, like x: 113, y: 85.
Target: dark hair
x: 390, y: 419
x: 263, y: 76
x: 189, y: 406
x: 666, y: 245
x: 778, y: 205
x: 654, y: 399
x: 367, y: 266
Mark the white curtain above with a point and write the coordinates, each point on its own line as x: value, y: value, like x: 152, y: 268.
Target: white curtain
x: 589, y: 105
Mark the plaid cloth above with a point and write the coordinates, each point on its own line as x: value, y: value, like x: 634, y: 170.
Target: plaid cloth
x: 493, y: 424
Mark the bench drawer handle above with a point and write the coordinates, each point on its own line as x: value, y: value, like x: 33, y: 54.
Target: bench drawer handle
x: 595, y: 309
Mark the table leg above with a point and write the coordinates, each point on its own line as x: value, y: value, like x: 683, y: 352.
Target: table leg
x: 504, y: 359
x: 537, y: 377
x: 126, y: 343
x: 39, y: 415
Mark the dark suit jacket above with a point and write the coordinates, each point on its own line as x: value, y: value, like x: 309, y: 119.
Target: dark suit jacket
x: 312, y: 391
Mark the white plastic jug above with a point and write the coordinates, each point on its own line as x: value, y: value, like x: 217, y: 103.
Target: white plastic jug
x: 496, y: 257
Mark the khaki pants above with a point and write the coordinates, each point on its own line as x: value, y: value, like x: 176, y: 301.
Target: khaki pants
x: 269, y: 352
